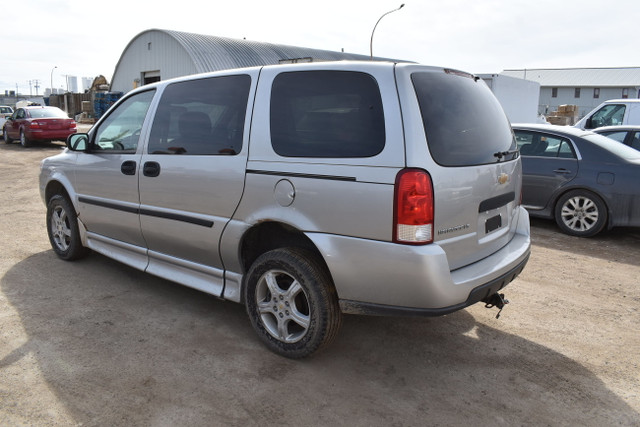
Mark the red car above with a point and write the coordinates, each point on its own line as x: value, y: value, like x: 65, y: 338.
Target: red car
x: 38, y: 124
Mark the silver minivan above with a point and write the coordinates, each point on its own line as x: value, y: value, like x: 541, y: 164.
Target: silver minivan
x: 303, y: 191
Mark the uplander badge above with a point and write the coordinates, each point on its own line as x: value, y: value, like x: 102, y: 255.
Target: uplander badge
x: 453, y: 229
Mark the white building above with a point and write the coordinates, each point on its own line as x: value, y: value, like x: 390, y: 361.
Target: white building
x: 86, y: 83
x: 585, y: 87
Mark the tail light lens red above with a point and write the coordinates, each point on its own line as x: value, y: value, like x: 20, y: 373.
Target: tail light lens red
x: 413, y: 210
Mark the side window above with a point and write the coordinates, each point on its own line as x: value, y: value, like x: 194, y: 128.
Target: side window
x: 329, y: 114
x: 566, y: 151
x: 635, y: 141
x: 609, y: 115
x: 120, y: 131
x: 20, y: 114
x: 540, y: 145
x: 201, y: 117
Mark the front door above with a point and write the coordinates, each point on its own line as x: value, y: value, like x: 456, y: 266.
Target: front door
x: 106, y: 179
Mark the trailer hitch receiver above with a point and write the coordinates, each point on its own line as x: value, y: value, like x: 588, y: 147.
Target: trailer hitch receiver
x: 496, y: 300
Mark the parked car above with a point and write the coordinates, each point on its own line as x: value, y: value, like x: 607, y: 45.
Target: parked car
x: 613, y: 112
x: 303, y: 191
x: 629, y: 135
x: 5, y: 111
x: 586, y: 182
x: 38, y: 123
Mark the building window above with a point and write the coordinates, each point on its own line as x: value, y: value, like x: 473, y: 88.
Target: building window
x: 577, y: 93
x: 596, y: 92
x: 625, y: 93
x: 554, y: 92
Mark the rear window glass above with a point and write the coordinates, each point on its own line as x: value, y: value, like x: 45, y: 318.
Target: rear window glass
x: 326, y: 114
x: 614, y: 147
x: 44, y: 113
x: 464, y: 123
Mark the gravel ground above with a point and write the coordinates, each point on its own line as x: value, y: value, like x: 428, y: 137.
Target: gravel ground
x: 96, y: 343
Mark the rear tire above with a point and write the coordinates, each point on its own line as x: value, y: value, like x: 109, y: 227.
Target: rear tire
x: 24, y: 141
x: 581, y: 213
x: 291, y: 302
x: 63, y: 230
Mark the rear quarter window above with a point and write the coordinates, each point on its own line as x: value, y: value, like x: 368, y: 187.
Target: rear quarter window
x: 463, y: 122
x: 326, y: 114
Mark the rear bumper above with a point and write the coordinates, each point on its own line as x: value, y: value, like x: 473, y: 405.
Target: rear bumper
x: 375, y: 277
x: 476, y: 295
x: 57, y: 135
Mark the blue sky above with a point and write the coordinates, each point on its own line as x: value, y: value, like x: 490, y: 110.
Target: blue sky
x: 86, y: 38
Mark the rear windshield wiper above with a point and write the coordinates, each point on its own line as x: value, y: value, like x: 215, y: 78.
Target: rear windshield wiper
x: 501, y: 154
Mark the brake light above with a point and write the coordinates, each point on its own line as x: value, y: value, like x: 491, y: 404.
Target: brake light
x: 413, y: 209
x: 34, y: 125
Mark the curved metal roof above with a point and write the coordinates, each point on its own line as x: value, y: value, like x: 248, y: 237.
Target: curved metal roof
x: 199, y: 53
x: 211, y: 53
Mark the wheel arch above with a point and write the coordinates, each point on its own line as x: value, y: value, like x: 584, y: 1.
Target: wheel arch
x: 57, y: 186
x: 269, y: 235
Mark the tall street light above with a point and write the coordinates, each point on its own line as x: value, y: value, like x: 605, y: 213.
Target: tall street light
x: 374, y: 28
x: 52, y: 79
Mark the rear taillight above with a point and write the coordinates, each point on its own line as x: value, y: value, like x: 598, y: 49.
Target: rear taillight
x: 413, y: 210
x: 34, y: 125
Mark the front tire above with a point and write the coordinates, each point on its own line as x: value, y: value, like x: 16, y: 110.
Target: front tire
x: 291, y: 302
x: 62, y: 227
x: 581, y: 213
x: 5, y: 136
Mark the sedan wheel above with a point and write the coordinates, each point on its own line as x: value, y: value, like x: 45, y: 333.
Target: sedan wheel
x: 291, y: 302
x: 5, y: 136
x: 581, y: 213
x: 24, y: 141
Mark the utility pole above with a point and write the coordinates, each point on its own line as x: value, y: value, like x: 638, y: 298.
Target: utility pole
x: 36, y: 84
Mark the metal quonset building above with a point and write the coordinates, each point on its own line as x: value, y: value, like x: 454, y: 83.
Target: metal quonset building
x: 157, y: 54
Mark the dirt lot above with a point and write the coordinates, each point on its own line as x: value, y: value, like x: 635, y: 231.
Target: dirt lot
x: 97, y: 343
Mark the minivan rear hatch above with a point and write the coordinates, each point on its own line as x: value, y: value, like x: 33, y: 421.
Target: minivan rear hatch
x: 473, y: 162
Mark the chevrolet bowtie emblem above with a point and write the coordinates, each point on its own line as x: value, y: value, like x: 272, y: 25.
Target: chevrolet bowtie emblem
x: 503, y: 178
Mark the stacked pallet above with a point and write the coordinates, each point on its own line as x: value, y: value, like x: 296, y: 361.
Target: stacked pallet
x: 103, y: 101
x: 564, y: 116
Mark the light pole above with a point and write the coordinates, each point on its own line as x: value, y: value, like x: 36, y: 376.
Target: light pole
x: 374, y: 28
x: 52, y: 79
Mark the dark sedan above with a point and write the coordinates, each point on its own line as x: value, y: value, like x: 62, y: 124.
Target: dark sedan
x: 586, y: 182
x: 629, y: 135
x: 29, y: 124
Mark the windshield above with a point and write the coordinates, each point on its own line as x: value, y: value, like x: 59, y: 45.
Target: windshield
x: 464, y: 123
x: 43, y: 113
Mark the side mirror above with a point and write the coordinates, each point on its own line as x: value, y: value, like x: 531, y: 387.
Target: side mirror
x: 78, y: 142
x: 587, y: 124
